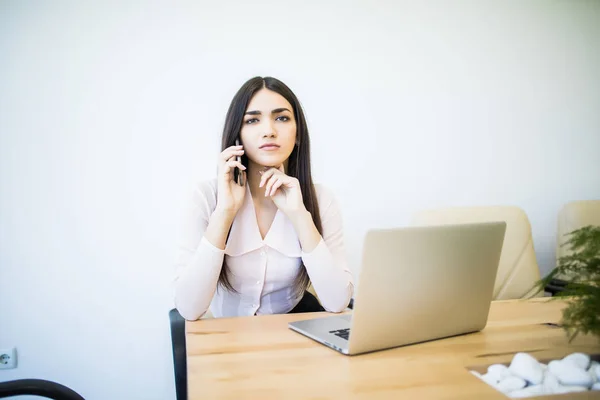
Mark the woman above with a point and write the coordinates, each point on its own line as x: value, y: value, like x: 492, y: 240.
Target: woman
x: 252, y: 244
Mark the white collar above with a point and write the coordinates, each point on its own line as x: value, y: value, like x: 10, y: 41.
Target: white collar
x: 245, y: 237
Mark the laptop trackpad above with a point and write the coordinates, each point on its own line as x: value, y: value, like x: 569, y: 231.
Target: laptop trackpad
x: 322, y: 326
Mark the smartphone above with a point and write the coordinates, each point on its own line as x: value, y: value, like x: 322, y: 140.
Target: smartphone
x: 238, y: 174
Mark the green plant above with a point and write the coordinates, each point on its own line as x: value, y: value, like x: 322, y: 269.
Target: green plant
x: 580, y: 269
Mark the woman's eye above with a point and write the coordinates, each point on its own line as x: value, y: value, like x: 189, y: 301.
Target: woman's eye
x: 283, y: 118
x: 251, y: 121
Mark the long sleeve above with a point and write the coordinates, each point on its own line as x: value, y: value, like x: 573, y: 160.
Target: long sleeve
x: 327, y: 265
x: 198, y: 263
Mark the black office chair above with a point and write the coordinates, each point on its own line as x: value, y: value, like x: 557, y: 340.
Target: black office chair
x: 37, y: 387
x: 179, y: 353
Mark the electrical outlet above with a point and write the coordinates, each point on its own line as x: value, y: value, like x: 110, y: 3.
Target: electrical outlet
x: 8, y: 358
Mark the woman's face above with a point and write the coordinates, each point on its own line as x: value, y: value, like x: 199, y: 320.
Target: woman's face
x: 269, y: 129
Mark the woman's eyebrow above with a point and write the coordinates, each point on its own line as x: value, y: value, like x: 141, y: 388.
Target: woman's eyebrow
x: 275, y: 111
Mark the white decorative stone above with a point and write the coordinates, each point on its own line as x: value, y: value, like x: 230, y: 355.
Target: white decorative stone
x: 498, y: 371
x: 594, y: 371
x: 510, y: 384
x: 569, y: 373
x: 489, y: 379
x: 529, y: 391
x: 580, y: 359
x: 550, y: 383
x: 526, y: 377
x: 525, y: 366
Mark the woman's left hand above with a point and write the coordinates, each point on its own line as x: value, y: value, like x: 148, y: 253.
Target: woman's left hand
x: 284, y: 190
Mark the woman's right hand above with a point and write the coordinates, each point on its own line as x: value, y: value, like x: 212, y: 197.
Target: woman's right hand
x: 230, y: 195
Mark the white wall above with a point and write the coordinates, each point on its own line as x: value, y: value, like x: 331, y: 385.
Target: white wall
x: 109, y: 112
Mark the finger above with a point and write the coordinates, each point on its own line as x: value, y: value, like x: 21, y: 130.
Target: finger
x: 265, y: 176
x: 276, y: 186
x: 231, y: 164
x: 269, y: 185
x: 233, y: 148
x: 226, y: 167
x: 231, y: 152
x: 227, y: 154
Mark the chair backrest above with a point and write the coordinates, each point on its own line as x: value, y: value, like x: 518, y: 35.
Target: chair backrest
x: 572, y: 216
x: 178, y: 344
x: 38, y: 387
x: 518, y: 269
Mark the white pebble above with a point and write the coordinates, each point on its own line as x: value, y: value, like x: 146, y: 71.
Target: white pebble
x: 510, y: 384
x: 499, y: 371
x: 595, y: 370
x: 580, y: 359
x: 527, y: 392
x: 489, y: 379
x: 569, y: 373
x: 550, y: 384
x: 574, y: 373
x: 525, y: 366
x: 554, y: 367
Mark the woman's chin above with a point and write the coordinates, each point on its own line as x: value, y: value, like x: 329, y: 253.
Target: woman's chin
x: 270, y: 163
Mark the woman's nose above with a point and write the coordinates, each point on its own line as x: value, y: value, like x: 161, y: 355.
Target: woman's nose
x: 269, y: 130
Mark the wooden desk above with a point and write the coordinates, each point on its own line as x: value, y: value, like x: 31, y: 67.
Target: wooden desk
x: 261, y: 358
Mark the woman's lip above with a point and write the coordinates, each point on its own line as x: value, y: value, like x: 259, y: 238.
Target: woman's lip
x: 269, y: 147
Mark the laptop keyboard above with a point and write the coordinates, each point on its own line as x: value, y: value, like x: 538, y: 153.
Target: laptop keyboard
x: 343, y: 333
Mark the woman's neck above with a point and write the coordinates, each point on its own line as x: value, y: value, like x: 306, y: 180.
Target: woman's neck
x: 253, y: 177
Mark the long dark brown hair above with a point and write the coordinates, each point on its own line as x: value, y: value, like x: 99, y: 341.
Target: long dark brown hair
x: 298, y: 162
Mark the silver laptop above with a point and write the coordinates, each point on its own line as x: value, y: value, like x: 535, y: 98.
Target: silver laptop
x: 416, y: 284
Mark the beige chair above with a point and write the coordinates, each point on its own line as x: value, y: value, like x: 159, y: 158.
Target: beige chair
x: 518, y: 270
x: 572, y: 216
